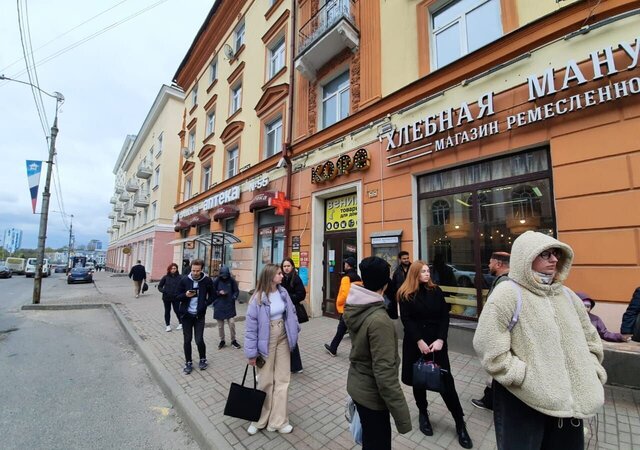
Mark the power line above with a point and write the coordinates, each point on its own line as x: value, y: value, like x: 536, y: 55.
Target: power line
x: 33, y: 62
x: 67, y: 32
x: 94, y: 35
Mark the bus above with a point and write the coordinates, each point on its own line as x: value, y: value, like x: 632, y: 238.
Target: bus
x: 78, y: 261
x: 16, y: 265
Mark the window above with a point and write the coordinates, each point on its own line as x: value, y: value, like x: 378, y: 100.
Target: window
x: 232, y: 162
x: 192, y: 140
x: 273, y: 137
x: 146, y: 215
x: 236, y: 98
x: 462, y: 27
x: 206, y: 177
x: 154, y: 210
x: 276, y: 58
x: 160, y: 138
x: 335, y: 100
x: 213, y: 70
x: 194, y: 96
x: 151, y: 154
x: 239, y: 36
x: 211, y: 122
x: 187, y: 190
x: 156, y: 177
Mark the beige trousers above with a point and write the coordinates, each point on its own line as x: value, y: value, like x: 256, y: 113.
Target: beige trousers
x: 137, y: 287
x: 274, y: 379
x: 232, y: 328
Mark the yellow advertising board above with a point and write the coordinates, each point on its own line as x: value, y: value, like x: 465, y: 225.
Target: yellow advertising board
x: 341, y: 213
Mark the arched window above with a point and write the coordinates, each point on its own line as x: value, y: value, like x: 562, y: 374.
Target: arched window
x: 526, y: 202
x: 440, y: 212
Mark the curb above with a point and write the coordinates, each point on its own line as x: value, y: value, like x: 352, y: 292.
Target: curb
x: 202, y: 431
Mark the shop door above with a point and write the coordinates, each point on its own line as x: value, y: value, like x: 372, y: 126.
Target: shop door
x: 337, y: 247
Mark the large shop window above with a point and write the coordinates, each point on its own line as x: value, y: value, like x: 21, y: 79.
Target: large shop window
x: 203, y: 250
x: 270, y: 239
x: 465, y: 214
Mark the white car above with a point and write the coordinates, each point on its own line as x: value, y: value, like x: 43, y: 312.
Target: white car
x: 30, y: 267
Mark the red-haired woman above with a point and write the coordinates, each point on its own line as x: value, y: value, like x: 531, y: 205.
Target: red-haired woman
x: 425, y: 316
x: 169, y: 287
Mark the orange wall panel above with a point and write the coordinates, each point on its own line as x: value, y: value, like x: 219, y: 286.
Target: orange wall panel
x: 605, y: 283
x: 603, y: 247
x: 399, y: 208
x: 634, y: 163
x: 597, y: 142
x: 599, y: 211
x: 372, y: 213
x: 602, y: 175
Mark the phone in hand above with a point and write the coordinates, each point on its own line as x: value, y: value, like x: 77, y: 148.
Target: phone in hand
x: 192, y: 291
x: 260, y: 362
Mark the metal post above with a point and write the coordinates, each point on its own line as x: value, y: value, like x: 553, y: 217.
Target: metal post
x: 44, y: 214
x: 69, y: 247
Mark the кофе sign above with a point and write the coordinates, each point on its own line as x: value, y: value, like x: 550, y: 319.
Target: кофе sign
x: 344, y: 165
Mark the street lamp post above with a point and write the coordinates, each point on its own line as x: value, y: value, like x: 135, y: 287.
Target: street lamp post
x: 44, y: 213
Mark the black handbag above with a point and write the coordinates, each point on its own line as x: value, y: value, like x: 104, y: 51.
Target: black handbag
x: 302, y: 313
x: 145, y: 287
x: 428, y: 375
x: 244, y: 402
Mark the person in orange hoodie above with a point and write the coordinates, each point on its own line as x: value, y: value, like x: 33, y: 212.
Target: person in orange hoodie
x: 349, y: 276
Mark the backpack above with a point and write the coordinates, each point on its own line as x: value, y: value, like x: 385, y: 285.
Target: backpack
x: 516, y: 313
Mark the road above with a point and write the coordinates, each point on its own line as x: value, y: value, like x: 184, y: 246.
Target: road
x: 70, y: 379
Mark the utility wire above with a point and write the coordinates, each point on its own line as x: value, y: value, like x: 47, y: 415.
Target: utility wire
x: 67, y: 32
x: 94, y: 35
x: 33, y: 62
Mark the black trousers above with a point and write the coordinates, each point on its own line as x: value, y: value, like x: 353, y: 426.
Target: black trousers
x: 376, y: 428
x: 449, y: 396
x: 167, y: 310
x: 340, y: 332
x: 521, y: 427
x: 296, y: 361
x: 192, y: 324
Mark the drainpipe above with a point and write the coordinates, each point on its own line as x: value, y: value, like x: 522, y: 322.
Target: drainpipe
x: 287, y: 149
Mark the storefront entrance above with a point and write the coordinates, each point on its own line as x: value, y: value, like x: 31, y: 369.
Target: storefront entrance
x: 270, y: 239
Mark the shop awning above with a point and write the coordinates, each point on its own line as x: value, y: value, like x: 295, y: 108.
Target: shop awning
x: 225, y: 212
x: 215, y: 238
x: 261, y: 200
x: 181, y: 225
x: 198, y: 219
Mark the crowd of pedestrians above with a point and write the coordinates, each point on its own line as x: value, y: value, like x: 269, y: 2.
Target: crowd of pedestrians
x: 538, y: 340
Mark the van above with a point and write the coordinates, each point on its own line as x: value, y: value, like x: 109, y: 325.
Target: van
x: 30, y: 267
x: 16, y: 265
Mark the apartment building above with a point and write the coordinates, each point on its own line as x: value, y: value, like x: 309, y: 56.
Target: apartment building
x: 144, y: 191
x: 446, y: 128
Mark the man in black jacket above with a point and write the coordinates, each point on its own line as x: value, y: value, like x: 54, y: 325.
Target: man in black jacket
x: 195, y: 294
x: 139, y: 275
x: 397, y: 278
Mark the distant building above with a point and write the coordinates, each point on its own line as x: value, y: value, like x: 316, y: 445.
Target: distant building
x: 94, y: 244
x: 12, y: 239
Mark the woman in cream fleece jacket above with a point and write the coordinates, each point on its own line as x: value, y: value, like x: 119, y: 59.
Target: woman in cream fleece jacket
x: 547, y: 368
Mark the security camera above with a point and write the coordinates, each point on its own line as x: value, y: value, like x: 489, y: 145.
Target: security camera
x: 282, y: 163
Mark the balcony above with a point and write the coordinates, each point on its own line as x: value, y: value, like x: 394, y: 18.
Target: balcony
x: 144, y: 171
x: 129, y: 210
x: 119, y: 189
x: 324, y: 36
x: 124, y: 197
x: 115, y: 226
x: 114, y: 199
x: 132, y: 186
x: 112, y: 216
x: 117, y: 207
x: 141, y: 199
x: 122, y: 218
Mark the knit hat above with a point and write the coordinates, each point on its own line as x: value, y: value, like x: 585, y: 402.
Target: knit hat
x: 351, y: 261
x: 585, y: 298
x: 374, y: 272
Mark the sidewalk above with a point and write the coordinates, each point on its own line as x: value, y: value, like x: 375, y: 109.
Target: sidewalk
x: 317, y: 396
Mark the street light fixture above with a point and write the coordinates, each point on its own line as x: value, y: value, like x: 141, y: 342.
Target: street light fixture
x: 44, y: 213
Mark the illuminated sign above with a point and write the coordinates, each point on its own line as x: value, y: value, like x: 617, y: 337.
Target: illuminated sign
x: 344, y: 165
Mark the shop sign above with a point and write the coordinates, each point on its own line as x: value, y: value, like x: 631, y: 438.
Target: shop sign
x: 304, y: 259
x: 258, y: 183
x: 227, y: 196
x: 344, y: 165
x: 295, y: 243
x: 384, y: 240
x: 539, y: 86
x: 342, y: 213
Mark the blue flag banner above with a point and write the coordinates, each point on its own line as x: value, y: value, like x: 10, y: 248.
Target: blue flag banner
x: 34, y: 168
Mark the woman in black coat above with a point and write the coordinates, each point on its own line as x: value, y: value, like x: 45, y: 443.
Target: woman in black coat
x: 425, y: 316
x: 169, y: 287
x: 294, y: 286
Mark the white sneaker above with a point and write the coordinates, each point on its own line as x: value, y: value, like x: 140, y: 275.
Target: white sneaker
x: 168, y: 328
x: 252, y: 429
x: 284, y: 430
x: 179, y: 327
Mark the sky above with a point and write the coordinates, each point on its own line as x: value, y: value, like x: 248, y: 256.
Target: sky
x: 109, y: 84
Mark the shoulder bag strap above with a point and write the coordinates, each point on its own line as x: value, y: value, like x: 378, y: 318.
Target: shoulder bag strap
x: 516, y: 313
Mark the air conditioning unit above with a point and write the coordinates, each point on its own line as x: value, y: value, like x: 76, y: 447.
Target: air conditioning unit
x: 187, y: 153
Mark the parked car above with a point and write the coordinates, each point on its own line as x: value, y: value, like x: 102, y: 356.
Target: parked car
x: 466, y: 278
x: 16, y: 265
x: 61, y: 268
x: 30, y: 267
x: 5, y: 272
x: 80, y: 275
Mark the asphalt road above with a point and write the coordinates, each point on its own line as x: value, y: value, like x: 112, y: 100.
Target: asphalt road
x: 70, y: 380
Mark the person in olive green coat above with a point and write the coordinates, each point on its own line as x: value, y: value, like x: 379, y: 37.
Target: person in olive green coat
x: 373, y: 381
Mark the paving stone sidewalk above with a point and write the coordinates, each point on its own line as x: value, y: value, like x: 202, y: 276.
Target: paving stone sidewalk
x: 317, y: 396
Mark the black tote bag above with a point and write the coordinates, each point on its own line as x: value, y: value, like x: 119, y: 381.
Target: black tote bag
x: 427, y: 375
x: 301, y: 313
x: 244, y: 402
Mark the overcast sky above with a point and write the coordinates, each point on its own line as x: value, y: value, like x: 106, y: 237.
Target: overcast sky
x: 109, y: 84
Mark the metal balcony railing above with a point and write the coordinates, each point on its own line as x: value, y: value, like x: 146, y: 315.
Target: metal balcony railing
x: 124, y: 197
x: 132, y: 186
x: 117, y: 207
x: 326, y: 17
x: 144, y: 171
x: 141, y: 199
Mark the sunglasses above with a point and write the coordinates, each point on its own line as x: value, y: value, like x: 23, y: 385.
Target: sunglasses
x: 547, y: 254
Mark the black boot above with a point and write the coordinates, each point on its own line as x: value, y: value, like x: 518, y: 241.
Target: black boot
x: 463, y: 437
x: 425, y: 425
